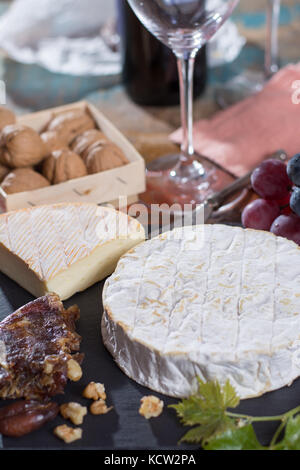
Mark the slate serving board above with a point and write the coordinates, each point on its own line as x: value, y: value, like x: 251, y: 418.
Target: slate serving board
x: 122, y: 428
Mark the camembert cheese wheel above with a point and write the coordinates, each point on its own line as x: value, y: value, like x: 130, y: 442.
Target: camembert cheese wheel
x: 212, y: 301
x: 64, y: 248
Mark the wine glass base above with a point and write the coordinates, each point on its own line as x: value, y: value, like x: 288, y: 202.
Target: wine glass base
x: 164, y: 186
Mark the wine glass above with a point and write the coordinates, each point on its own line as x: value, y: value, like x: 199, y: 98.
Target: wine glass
x: 185, y: 26
x: 248, y: 83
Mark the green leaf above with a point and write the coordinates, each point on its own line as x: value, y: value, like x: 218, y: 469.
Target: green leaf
x: 207, y: 408
x: 218, y: 396
x: 204, y: 432
x: 291, y: 440
x: 235, y: 439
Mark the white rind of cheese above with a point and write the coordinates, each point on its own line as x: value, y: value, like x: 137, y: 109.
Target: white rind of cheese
x: 64, y: 248
x: 217, y: 302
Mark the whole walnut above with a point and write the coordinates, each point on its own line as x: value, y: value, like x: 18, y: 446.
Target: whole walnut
x: 68, y: 125
x: 20, y: 146
x: 23, y: 179
x: 63, y: 165
x: 52, y: 141
x: 104, y: 156
x: 7, y: 117
x: 83, y: 142
x: 3, y: 172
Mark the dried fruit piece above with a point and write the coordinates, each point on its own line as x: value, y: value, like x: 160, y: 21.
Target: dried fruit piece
x: 73, y: 411
x: 99, y: 407
x: 68, y: 434
x: 23, y: 417
x: 94, y: 391
x: 23, y: 179
x: 21, y: 146
x: 63, y: 165
x: 36, y: 343
x: 151, y: 407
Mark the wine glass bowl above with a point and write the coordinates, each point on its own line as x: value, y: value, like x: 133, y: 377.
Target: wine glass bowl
x: 184, y: 26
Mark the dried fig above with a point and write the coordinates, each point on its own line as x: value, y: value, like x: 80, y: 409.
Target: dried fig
x: 63, y: 165
x: 103, y: 157
x: 20, y: 146
x: 7, y: 117
x: 51, y: 141
x: 3, y: 172
x: 69, y: 125
x: 83, y: 142
x: 23, y: 417
x: 23, y: 179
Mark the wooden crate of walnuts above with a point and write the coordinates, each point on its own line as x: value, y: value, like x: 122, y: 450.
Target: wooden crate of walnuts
x: 68, y: 154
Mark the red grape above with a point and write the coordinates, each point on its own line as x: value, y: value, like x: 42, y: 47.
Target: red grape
x: 270, y: 180
x: 287, y: 226
x: 260, y: 214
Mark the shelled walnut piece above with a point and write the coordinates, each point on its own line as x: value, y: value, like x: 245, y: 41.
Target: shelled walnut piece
x: 104, y: 156
x: 83, y: 142
x: 63, y: 165
x: 68, y: 434
x: 23, y: 179
x: 94, y: 391
x: 73, y: 411
x: 74, y: 371
x: 99, y: 407
x: 20, y: 146
x: 151, y: 407
x: 7, y: 117
x: 69, y: 124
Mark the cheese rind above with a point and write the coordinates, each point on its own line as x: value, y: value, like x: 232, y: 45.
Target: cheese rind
x: 64, y: 248
x: 215, y: 301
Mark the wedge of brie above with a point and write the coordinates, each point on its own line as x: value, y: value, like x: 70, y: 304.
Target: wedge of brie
x: 64, y: 248
x: 213, y: 301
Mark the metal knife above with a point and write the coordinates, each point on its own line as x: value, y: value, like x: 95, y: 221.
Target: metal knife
x: 213, y: 206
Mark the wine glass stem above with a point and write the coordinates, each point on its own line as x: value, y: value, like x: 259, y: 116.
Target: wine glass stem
x: 271, y: 57
x: 186, y: 64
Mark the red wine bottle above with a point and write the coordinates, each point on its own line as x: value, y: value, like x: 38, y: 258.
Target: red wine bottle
x: 150, y: 71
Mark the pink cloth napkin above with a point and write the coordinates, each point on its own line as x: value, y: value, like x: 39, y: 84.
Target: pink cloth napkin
x: 242, y: 135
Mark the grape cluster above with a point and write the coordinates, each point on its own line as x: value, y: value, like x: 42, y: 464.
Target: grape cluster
x: 278, y: 208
